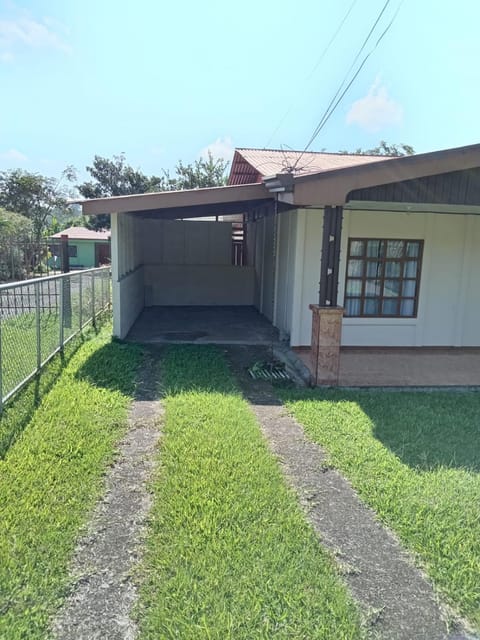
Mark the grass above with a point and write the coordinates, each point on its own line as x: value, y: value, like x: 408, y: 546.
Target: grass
x: 229, y: 552
x: 19, y: 346
x: 51, y: 477
x: 414, y: 458
x: 19, y: 339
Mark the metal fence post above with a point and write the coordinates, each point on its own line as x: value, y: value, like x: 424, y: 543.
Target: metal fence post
x: 36, y: 287
x: 61, y: 313
x: 94, y: 324
x: 80, y: 300
x: 102, y: 295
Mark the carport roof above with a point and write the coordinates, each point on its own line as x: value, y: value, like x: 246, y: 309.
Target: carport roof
x: 182, y: 204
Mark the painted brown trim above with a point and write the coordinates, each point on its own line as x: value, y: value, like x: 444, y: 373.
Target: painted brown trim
x: 334, y: 186
x: 176, y: 199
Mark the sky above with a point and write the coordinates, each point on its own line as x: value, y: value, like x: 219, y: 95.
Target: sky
x: 166, y: 81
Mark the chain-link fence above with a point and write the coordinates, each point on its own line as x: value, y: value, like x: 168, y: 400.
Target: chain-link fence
x: 38, y: 317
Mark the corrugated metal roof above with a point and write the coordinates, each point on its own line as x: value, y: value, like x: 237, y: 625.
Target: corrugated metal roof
x: 82, y: 233
x: 250, y: 165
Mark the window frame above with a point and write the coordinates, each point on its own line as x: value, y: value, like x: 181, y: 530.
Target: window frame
x: 383, y: 259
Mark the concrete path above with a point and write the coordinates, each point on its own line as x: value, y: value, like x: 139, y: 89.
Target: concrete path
x: 396, y: 599
x: 104, y: 592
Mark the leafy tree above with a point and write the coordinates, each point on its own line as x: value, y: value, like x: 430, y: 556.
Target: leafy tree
x: 385, y: 149
x: 35, y: 197
x: 205, y: 172
x: 115, y: 178
x: 15, y: 235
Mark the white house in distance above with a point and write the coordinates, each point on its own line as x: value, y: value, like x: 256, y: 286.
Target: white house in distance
x: 385, y: 249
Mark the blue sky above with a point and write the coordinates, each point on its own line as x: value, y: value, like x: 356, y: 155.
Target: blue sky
x: 163, y: 81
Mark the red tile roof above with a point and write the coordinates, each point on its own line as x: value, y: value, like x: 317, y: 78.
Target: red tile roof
x: 82, y: 233
x: 250, y: 165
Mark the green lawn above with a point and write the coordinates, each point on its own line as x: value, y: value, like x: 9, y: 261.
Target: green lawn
x: 19, y: 346
x: 19, y: 339
x: 414, y: 458
x: 52, y: 475
x: 229, y: 552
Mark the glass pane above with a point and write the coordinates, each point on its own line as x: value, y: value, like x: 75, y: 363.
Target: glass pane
x: 390, y: 308
x: 371, y: 307
x: 355, y: 268
x: 357, y: 247
x: 352, y: 306
x: 409, y: 288
x: 375, y: 248
x: 407, y: 308
x: 392, y: 269
x: 374, y: 269
x: 395, y: 248
x: 372, y: 288
x: 391, y: 288
x: 413, y: 249
x: 354, y: 288
x: 410, y: 269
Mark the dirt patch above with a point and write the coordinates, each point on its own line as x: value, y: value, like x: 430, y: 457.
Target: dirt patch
x: 397, y: 600
x: 103, y: 591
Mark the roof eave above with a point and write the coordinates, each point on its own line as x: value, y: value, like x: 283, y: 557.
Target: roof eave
x: 175, y: 199
x: 333, y: 187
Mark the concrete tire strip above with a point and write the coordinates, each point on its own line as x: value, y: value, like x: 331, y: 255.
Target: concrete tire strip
x: 104, y: 591
x: 397, y: 601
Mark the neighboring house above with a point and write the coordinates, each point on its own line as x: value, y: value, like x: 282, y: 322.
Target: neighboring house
x: 385, y: 248
x: 86, y: 248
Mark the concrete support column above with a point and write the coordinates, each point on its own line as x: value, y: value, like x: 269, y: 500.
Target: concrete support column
x: 325, y: 348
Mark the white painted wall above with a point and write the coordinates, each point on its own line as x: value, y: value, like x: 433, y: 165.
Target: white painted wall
x: 285, y: 272
x: 127, y: 272
x: 308, y: 252
x: 260, y: 253
x: 198, y: 285
x: 449, y: 299
x: 186, y: 242
x: 190, y: 263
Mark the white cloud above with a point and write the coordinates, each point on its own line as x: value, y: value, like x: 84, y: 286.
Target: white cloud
x: 13, y: 155
x: 221, y: 148
x: 22, y: 31
x: 376, y: 110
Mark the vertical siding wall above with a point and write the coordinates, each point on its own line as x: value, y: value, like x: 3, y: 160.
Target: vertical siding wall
x: 285, y: 272
x: 307, y: 255
x: 261, y: 238
x: 190, y: 263
x: 449, y: 299
x: 127, y: 272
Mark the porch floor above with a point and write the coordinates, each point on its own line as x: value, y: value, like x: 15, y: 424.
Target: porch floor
x: 405, y: 367
x: 203, y: 325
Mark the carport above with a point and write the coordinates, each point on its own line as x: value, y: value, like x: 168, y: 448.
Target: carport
x: 176, y: 275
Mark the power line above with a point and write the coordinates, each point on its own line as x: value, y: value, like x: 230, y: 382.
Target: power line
x: 336, y: 98
x: 317, y: 64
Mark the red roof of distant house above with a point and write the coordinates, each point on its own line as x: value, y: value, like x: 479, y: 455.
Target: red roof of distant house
x: 82, y: 233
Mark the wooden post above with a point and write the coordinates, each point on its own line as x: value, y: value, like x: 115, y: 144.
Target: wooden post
x: 326, y: 316
x: 330, y: 262
x: 64, y: 254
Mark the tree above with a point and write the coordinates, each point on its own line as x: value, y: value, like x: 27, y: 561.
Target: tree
x: 35, y: 197
x: 117, y: 178
x: 15, y: 236
x: 385, y: 149
x: 202, y: 173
